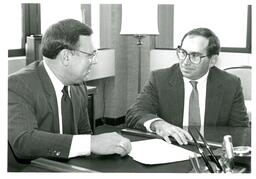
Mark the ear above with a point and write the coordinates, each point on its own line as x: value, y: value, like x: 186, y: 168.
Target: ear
x: 213, y: 60
x: 65, y: 57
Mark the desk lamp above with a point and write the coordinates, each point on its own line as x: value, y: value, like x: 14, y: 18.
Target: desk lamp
x: 139, y: 20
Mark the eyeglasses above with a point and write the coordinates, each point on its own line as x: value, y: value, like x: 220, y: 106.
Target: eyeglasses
x: 91, y: 56
x: 194, y: 57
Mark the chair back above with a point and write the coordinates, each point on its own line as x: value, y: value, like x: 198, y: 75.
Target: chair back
x: 244, y: 73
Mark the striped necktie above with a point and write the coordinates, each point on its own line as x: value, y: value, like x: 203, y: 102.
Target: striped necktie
x: 194, y: 110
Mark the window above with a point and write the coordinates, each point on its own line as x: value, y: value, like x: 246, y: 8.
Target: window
x: 51, y: 15
x: 27, y: 21
x: 230, y: 22
x: 34, y: 18
x: 15, y: 27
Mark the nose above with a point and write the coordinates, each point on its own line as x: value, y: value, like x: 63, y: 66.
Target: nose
x: 186, y: 61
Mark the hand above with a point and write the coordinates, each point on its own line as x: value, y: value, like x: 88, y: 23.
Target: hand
x: 110, y: 143
x: 165, y: 129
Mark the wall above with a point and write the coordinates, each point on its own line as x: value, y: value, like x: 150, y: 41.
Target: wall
x: 15, y: 64
x: 121, y: 90
x: 234, y: 59
x: 116, y: 88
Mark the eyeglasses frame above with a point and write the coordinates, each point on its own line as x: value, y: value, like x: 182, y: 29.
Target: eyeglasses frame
x: 91, y: 56
x: 189, y: 55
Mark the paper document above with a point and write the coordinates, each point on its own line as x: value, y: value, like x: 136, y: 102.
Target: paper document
x: 157, y: 151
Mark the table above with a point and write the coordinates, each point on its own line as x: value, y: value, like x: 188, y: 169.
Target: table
x: 114, y: 163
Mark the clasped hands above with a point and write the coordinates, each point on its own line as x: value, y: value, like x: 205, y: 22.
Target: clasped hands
x: 165, y: 129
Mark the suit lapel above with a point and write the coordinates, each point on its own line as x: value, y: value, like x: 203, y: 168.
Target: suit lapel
x: 50, y: 92
x: 177, y: 96
x: 214, y: 96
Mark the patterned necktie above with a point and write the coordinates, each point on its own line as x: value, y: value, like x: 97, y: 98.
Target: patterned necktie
x: 67, y: 112
x: 194, y: 110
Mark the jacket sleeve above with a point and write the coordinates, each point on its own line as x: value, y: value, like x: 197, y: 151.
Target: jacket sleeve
x: 24, y: 135
x: 145, y: 106
x: 238, y: 113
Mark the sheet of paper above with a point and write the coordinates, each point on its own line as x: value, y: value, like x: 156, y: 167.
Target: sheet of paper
x: 157, y: 151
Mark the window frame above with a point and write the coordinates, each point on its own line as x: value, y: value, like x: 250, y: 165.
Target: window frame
x: 246, y: 49
x: 31, y: 25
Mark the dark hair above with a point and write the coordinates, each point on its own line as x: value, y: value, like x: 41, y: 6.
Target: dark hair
x: 63, y: 35
x: 214, y: 43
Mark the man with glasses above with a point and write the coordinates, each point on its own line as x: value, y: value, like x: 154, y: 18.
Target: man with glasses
x: 47, y: 100
x: 193, y: 92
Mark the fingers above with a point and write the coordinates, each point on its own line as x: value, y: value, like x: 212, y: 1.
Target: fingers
x: 123, y: 148
x: 120, y: 150
x: 164, y: 134
x: 180, y: 135
x: 129, y: 146
x: 186, y: 134
x: 166, y: 138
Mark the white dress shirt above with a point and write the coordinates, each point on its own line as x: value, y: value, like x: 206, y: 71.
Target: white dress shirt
x: 81, y: 144
x: 201, y: 87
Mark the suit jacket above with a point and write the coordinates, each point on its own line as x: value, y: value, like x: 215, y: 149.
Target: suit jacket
x: 33, y: 122
x: 163, y: 96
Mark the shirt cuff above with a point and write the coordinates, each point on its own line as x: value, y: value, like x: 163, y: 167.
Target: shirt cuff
x: 81, y: 145
x: 149, y: 122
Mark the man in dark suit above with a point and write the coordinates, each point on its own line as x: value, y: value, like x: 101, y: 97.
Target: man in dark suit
x: 47, y: 100
x: 191, y: 93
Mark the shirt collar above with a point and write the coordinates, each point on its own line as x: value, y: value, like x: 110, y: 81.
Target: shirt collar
x: 58, y: 85
x: 200, y: 80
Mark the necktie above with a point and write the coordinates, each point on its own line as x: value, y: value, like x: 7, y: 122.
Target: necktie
x: 194, y: 110
x: 67, y: 112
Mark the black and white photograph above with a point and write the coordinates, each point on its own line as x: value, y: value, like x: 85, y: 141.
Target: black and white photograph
x: 130, y: 87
